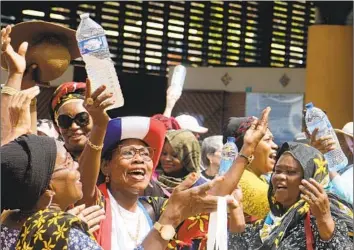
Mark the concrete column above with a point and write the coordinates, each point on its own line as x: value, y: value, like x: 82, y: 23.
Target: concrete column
x: 329, y: 71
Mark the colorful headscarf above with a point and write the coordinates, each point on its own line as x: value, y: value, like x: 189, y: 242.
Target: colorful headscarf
x: 187, y: 149
x: 169, y: 122
x: 49, y: 229
x: 64, y: 93
x: 237, y: 127
x: 314, y: 166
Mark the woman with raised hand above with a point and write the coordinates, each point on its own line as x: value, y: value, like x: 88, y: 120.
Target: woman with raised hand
x: 130, y: 152
x: 303, y: 215
x: 34, y: 53
x: 253, y: 184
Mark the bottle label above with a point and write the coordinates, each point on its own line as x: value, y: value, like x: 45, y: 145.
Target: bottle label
x: 228, y: 152
x: 93, y: 44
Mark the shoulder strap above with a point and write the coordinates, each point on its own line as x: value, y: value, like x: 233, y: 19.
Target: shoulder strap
x: 308, y: 232
x: 149, y: 209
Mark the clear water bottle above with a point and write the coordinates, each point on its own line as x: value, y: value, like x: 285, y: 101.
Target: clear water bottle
x: 228, y: 155
x: 94, y: 50
x: 316, y: 118
x: 177, y: 81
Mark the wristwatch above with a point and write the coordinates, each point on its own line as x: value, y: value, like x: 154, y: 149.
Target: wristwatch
x: 248, y: 158
x: 166, y: 231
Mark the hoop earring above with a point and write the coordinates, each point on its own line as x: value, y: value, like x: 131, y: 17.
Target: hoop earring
x: 106, y: 180
x: 50, y: 201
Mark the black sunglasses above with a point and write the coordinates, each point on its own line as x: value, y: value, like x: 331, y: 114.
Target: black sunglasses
x: 81, y: 119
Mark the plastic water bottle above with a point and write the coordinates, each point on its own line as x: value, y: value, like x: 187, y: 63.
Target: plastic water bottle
x: 177, y: 81
x: 228, y: 155
x: 94, y: 50
x: 316, y: 118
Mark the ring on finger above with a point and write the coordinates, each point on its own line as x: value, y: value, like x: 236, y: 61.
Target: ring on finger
x: 89, y: 101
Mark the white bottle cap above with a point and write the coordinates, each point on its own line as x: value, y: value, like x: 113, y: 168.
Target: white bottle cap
x: 85, y: 15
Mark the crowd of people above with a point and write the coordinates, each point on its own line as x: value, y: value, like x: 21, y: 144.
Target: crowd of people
x: 83, y: 180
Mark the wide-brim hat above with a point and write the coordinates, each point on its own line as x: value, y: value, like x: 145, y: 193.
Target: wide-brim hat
x: 346, y: 130
x: 151, y: 131
x: 31, y: 30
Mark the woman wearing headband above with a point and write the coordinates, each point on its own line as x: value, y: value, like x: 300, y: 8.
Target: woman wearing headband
x: 39, y: 53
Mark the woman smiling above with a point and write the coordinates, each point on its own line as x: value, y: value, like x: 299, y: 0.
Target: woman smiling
x: 303, y: 215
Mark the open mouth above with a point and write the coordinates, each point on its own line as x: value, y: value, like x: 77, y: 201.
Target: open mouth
x: 273, y: 156
x: 281, y: 187
x: 137, y: 174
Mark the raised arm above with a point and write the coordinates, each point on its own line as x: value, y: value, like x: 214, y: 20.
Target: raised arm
x: 19, y: 78
x: 19, y: 114
x: 90, y: 158
x: 183, y: 203
x: 252, y: 137
x: 171, y: 100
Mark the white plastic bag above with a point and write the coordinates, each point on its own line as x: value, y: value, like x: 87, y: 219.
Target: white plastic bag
x: 217, y: 230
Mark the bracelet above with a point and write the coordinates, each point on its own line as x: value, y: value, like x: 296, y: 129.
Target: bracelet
x: 34, y: 102
x: 93, y: 146
x: 249, y: 159
x: 9, y: 91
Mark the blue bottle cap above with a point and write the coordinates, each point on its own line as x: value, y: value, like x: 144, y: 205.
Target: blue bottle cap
x: 230, y: 139
x: 309, y: 105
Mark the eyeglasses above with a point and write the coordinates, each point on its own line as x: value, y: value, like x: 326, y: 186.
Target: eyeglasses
x: 68, y: 164
x: 82, y: 119
x: 128, y: 152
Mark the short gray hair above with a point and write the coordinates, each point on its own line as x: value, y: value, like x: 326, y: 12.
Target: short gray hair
x: 210, y: 145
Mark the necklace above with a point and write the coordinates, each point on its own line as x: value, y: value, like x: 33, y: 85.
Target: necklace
x: 136, y: 237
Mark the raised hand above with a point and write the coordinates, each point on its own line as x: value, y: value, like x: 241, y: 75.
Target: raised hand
x: 96, y: 103
x: 92, y: 215
x: 19, y: 109
x: 257, y: 130
x: 16, y: 62
x: 186, y: 201
x: 324, y: 144
x: 171, y: 99
x: 314, y: 194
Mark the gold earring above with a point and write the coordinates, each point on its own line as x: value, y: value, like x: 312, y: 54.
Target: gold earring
x: 50, y: 201
x: 107, y: 179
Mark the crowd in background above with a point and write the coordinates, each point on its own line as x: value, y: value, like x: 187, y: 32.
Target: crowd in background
x: 84, y: 180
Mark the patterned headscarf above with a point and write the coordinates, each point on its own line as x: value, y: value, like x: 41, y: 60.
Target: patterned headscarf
x: 49, y: 229
x: 187, y: 149
x: 237, y: 127
x: 64, y: 93
x: 314, y: 166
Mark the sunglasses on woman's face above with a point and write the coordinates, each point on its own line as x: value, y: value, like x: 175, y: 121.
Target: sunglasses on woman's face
x: 81, y: 119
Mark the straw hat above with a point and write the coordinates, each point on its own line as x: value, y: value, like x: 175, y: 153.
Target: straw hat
x: 52, y: 59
